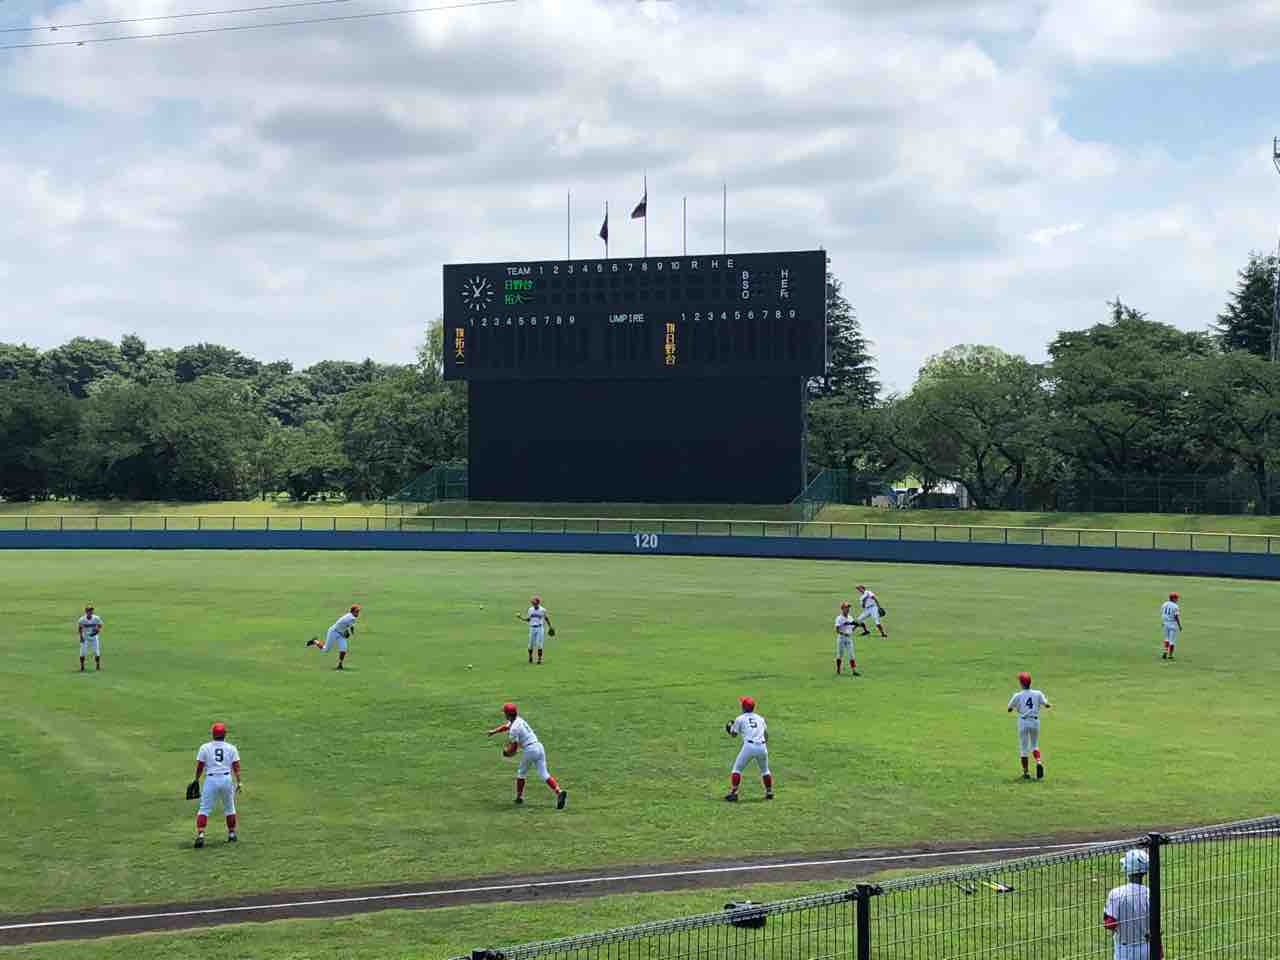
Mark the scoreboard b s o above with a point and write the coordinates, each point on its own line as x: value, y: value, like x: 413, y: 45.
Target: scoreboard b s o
x: 747, y: 315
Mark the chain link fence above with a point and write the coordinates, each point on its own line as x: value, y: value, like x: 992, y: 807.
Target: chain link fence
x: 1210, y: 892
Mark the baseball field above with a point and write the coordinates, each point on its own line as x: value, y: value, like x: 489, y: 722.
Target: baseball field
x: 382, y: 774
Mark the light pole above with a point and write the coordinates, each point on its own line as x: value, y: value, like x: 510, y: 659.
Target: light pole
x: 1275, y: 300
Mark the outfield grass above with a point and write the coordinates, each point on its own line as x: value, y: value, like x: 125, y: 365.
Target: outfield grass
x: 382, y: 773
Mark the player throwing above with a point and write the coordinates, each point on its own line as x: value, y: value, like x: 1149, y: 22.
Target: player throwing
x: 1128, y: 910
x: 339, y: 633
x: 89, y: 629
x: 1171, y: 620
x: 1029, y: 703
x: 871, y: 610
x: 755, y: 739
x: 844, y: 639
x: 219, y: 761
x: 520, y: 736
x: 539, y: 624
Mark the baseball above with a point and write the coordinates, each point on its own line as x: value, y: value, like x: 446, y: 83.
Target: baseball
x: 468, y: 666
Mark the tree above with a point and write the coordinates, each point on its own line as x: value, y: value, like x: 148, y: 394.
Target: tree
x: 311, y: 460
x: 18, y: 360
x: 204, y: 359
x: 973, y: 417
x: 79, y: 362
x: 1118, y: 395
x: 851, y: 371
x: 1245, y: 323
x: 1235, y: 400
x: 39, y: 423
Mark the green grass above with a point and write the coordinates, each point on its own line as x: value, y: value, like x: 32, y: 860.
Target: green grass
x: 383, y: 772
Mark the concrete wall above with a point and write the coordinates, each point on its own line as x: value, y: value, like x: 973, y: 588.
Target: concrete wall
x: 1186, y: 562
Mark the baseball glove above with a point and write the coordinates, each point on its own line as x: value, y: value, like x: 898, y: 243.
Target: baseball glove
x: 193, y: 789
x: 551, y: 632
x: 510, y: 749
x: 881, y: 609
x: 728, y: 727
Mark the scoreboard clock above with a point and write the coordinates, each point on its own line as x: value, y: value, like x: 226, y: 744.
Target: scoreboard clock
x: 739, y: 314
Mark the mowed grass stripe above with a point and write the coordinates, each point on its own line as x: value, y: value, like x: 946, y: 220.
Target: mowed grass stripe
x: 383, y: 773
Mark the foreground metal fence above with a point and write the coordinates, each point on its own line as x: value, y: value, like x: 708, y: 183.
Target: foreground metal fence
x: 638, y: 526
x: 1208, y: 892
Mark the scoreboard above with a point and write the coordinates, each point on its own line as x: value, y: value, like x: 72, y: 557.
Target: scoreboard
x: 654, y: 318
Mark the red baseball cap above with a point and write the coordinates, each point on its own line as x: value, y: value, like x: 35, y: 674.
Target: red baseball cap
x: 1024, y: 678
x: 748, y: 703
x: 355, y: 608
x: 509, y: 709
x: 219, y: 729
x: 1174, y: 595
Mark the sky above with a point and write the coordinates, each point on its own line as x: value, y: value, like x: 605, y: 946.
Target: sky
x: 984, y: 172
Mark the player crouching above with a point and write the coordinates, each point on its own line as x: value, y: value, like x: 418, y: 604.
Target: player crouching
x: 520, y: 737
x: 219, y: 761
x: 755, y: 738
x: 342, y: 628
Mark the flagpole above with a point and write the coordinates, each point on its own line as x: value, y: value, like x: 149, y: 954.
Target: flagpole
x: 724, y: 219
x: 568, y: 219
x: 646, y: 215
x: 684, y: 224
x: 606, y: 230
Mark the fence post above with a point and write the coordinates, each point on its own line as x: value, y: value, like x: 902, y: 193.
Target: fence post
x: 165, y: 524
x: 1115, y: 539
x: 1154, y: 840
x: 863, y: 893
x: 1228, y: 543
x: 95, y: 521
x: 60, y: 523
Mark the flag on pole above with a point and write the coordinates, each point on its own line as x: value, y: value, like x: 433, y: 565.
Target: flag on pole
x: 642, y: 208
x: 604, y: 227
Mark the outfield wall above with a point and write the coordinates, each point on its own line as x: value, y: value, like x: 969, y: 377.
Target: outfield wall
x: 1119, y: 559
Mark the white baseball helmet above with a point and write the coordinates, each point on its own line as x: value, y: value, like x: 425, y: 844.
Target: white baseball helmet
x: 1134, y: 862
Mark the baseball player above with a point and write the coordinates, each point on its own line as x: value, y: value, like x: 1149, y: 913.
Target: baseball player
x: 520, y: 736
x: 755, y: 738
x: 1128, y: 910
x: 219, y: 761
x: 871, y: 610
x: 1028, y: 703
x: 844, y: 639
x: 342, y: 628
x: 89, y: 629
x: 539, y: 623
x: 1171, y: 620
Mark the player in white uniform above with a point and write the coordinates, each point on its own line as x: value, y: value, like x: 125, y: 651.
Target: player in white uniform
x: 1127, y: 914
x: 755, y: 738
x: 1171, y: 620
x: 520, y: 736
x: 219, y: 761
x: 870, y: 611
x: 844, y: 639
x: 539, y: 621
x: 342, y: 628
x: 89, y: 629
x: 1029, y: 703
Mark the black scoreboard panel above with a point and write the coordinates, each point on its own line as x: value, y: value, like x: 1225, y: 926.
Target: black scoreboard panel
x: 681, y: 441
x: 748, y: 315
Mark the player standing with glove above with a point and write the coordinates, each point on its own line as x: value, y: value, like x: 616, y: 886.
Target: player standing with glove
x: 844, y: 639
x: 1171, y: 621
x: 520, y: 736
x: 342, y: 628
x: 219, y: 761
x: 539, y: 625
x: 755, y: 738
x: 89, y: 629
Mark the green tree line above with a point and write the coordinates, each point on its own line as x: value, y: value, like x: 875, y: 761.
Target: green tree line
x: 96, y: 419
x: 1127, y: 397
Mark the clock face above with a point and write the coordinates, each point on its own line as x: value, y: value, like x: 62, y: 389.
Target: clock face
x: 477, y: 293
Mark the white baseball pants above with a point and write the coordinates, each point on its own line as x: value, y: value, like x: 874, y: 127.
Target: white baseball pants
x: 1171, y: 634
x: 533, y: 756
x: 1028, y: 736
x: 218, y: 787
x: 91, y: 643
x: 844, y: 647
x: 332, y: 637
x: 1132, y: 951
x: 752, y: 751
x: 872, y: 613
x: 535, y: 637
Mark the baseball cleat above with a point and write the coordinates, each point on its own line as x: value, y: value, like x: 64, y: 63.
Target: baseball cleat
x: 855, y: 673
x: 1025, y: 775
x: 312, y: 642
x: 561, y: 798
x: 1039, y: 771
x: 199, y: 841
x: 338, y: 667
x: 732, y: 796
x: 231, y: 837
x: 769, y: 795
x: 519, y: 800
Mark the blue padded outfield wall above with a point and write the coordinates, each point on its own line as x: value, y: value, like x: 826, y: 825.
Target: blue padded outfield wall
x: 1210, y: 563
